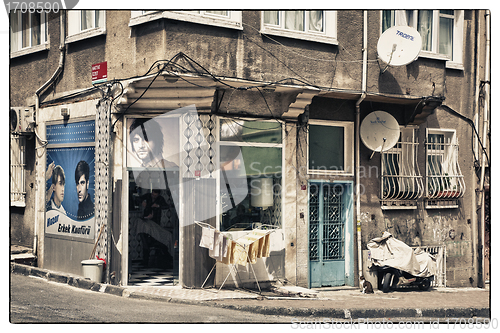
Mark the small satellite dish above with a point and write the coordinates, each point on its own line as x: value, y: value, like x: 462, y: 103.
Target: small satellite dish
x: 379, y: 131
x: 399, y: 45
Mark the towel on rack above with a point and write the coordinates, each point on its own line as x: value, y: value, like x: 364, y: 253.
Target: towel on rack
x: 207, y: 238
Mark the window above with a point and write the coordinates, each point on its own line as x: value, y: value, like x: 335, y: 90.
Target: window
x: 17, y: 165
x: 330, y: 148
x: 444, y: 178
x: 85, y: 24
x: 28, y: 32
x: 250, y: 156
x: 314, y: 25
x: 441, y: 31
x: 401, y: 181
x: 219, y: 18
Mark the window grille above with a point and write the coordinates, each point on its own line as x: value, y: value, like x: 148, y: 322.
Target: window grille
x: 402, y: 183
x: 444, y: 178
x: 17, y: 166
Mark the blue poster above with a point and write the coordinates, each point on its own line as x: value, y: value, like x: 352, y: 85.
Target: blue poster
x: 70, y: 180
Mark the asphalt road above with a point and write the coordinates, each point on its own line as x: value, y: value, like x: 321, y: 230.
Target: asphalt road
x: 35, y: 300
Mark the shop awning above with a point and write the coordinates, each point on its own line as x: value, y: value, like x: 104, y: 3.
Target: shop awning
x: 170, y: 91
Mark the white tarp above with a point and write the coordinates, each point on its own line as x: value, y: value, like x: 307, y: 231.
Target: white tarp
x: 388, y: 251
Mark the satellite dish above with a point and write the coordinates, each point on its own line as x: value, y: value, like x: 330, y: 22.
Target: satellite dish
x: 399, y: 46
x: 379, y: 131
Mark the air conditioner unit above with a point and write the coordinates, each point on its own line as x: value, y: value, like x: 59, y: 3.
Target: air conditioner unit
x: 21, y: 120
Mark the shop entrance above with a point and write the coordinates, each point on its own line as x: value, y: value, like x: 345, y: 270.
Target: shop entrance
x: 329, y: 234
x: 153, y: 251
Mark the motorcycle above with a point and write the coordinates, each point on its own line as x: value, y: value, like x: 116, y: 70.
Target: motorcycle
x: 390, y: 278
x: 398, y: 265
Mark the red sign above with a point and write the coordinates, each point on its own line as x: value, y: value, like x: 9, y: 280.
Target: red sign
x: 100, y: 72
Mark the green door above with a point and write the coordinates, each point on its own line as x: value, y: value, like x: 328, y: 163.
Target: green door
x: 327, y: 233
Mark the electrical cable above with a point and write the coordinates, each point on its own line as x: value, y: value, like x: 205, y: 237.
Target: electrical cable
x: 471, y: 123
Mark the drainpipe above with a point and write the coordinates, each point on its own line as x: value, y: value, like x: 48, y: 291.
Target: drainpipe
x: 362, y: 97
x: 485, y: 137
x: 41, y: 90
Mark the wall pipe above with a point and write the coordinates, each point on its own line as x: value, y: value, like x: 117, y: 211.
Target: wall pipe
x: 362, y: 97
x: 485, y: 136
x: 38, y: 92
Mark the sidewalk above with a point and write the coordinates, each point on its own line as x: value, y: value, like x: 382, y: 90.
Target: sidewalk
x: 339, y: 303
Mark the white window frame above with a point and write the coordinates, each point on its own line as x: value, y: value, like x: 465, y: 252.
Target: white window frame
x: 348, y: 148
x: 75, y: 32
x: 17, y: 34
x: 17, y: 170
x: 328, y: 36
x: 231, y: 21
x: 456, y: 62
x: 224, y: 143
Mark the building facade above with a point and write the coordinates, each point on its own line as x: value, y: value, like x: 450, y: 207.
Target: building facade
x: 260, y: 120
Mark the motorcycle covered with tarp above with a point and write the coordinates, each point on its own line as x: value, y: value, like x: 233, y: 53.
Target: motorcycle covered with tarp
x: 398, y: 264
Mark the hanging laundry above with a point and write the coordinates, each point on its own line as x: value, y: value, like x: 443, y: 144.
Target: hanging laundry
x: 240, y: 254
x: 266, y: 246
x: 207, y: 238
x: 229, y: 257
x: 218, y: 251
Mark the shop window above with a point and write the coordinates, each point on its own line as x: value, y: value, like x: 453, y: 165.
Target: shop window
x: 441, y: 31
x: 314, y: 25
x: 401, y: 181
x: 250, y: 174
x: 330, y: 148
x: 444, y: 179
x: 85, y: 24
x: 219, y: 18
x: 17, y: 169
x: 28, y: 32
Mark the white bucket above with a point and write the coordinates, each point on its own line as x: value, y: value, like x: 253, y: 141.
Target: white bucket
x: 92, y: 269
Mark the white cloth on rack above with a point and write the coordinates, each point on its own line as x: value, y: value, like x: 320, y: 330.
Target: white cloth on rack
x: 219, y: 251
x: 207, y: 238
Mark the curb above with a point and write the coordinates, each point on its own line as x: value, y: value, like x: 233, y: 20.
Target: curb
x: 72, y: 280
x: 83, y: 283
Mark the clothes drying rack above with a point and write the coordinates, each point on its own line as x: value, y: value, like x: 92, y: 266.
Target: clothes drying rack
x: 233, y: 266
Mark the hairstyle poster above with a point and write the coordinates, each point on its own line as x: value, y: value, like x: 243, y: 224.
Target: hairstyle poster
x: 70, y: 180
x: 153, y: 142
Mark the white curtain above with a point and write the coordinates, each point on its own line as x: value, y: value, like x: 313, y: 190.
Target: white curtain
x: 446, y: 36
x: 271, y: 17
x: 316, y: 20
x: 424, y: 27
x: 401, y: 18
x: 87, y: 19
x: 35, y: 29
x: 294, y: 20
x: 14, y: 31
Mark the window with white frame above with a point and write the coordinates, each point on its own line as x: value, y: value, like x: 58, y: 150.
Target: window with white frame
x: 28, y: 32
x: 441, y: 31
x: 314, y: 25
x: 444, y: 178
x: 220, y: 18
x: 330, y: 147
x: 85, y: 24
x: 17, y: 166
x: 401, y: 178
x: 250, y: 186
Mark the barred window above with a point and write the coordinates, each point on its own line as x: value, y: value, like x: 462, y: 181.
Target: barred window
x: 17, y: 166
x: 444, y: 178
x: 401, y: 178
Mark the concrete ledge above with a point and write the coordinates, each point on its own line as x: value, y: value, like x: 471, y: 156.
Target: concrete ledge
x: 114, y: 290
x: 35, y: 271
x: 59, y: 278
